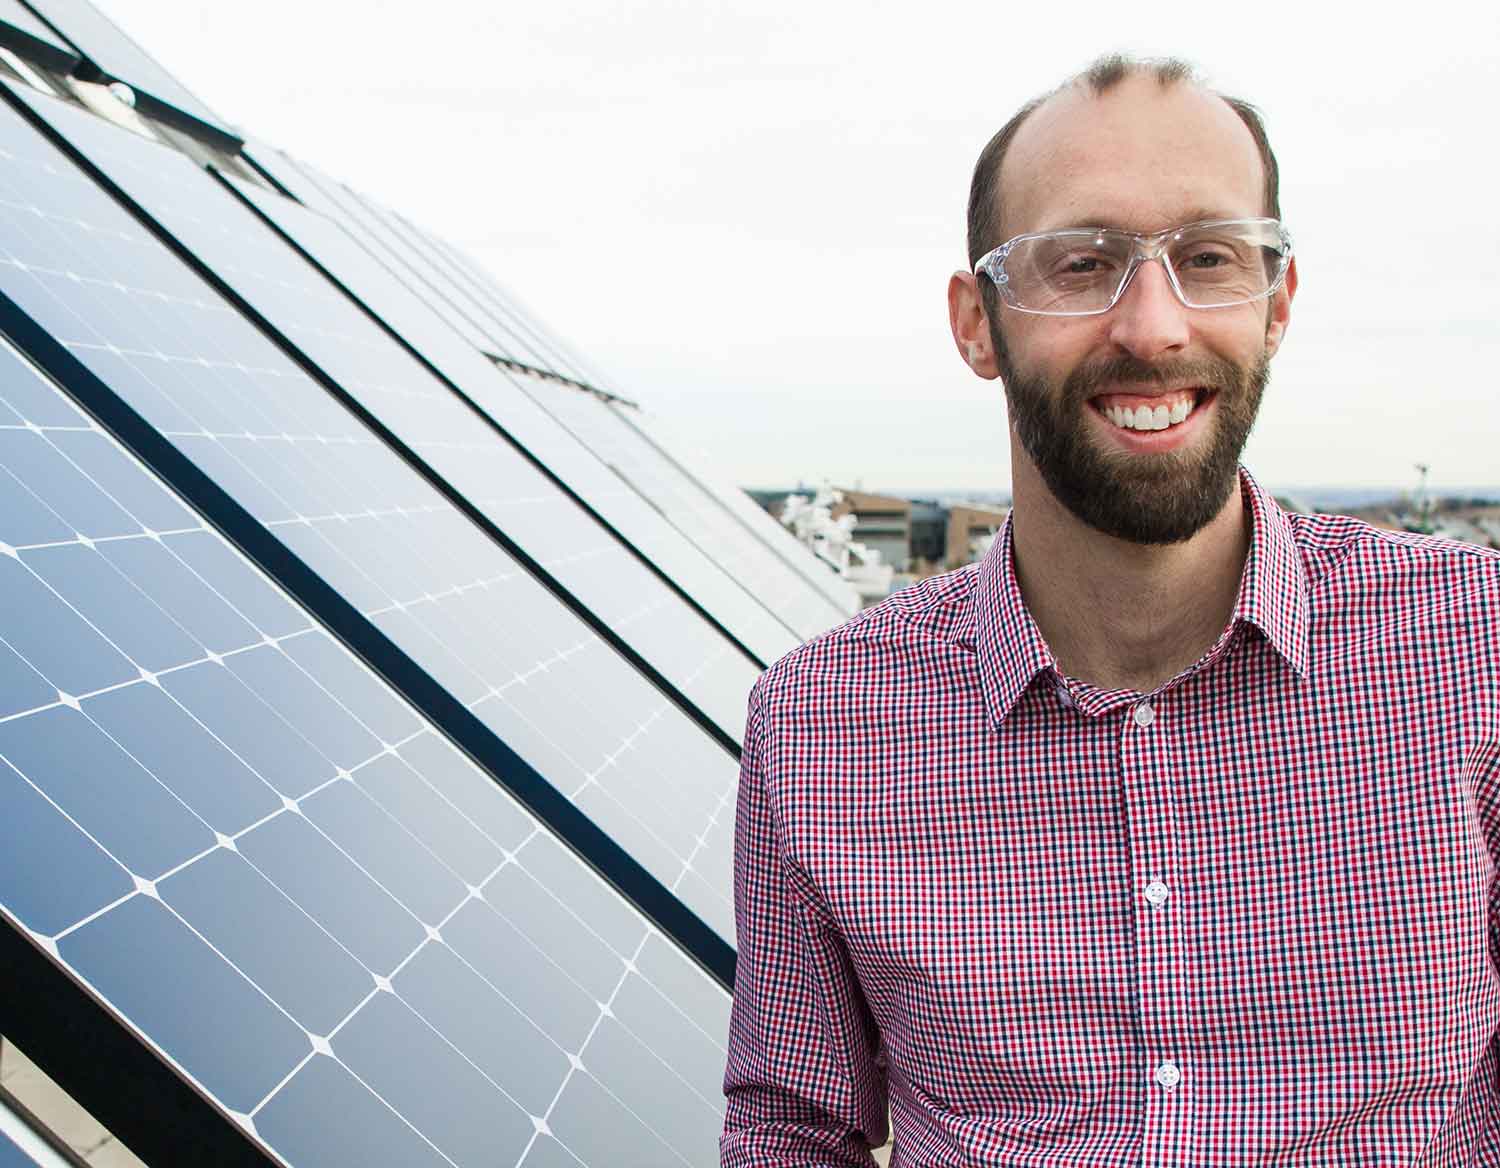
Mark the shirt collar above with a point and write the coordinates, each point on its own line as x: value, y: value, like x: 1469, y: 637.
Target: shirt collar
x: 1272, y: 598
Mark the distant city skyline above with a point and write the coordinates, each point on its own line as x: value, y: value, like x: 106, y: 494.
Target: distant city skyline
x: 747, y: 217
x: 1314, y: 495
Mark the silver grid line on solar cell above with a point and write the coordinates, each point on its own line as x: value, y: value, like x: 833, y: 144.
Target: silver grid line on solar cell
x: 449, y: 443
x: 431, y: 588
x: 158, y: 858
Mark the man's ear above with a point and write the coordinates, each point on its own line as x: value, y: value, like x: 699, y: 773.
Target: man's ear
x: 1280, y: 314
x: 970, y: 325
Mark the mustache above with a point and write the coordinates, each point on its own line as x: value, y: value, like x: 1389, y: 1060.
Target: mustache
x: 1087, y: 381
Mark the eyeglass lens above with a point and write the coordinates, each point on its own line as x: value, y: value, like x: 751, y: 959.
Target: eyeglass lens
x: 1080, y: 271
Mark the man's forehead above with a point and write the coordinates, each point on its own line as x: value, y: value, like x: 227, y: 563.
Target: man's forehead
x: 1142, y: 156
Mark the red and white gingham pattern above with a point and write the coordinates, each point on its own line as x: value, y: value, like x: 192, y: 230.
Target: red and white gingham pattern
x: 944, y: 850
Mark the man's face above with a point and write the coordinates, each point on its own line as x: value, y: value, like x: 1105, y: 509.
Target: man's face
x: 1140, y: 158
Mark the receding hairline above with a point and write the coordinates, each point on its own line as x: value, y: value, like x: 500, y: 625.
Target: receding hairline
x: 1098, y: 79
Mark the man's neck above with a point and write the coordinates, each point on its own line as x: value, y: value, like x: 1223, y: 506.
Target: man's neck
x: 1117, y: 614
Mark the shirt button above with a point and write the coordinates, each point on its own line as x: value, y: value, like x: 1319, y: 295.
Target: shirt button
x: 1168, y: 1075
x: 1156, y: 893
x: 1144, y: 714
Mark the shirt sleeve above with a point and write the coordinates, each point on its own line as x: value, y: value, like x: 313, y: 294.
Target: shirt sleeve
x: 804, y: 1084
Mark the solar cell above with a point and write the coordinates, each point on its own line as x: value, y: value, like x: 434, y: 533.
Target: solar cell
x: 687, y: 504
x: 443, y: 600
x: 506, y: 488
x: 290, y: 887
x: 25, y: 34
x: 117, y: 56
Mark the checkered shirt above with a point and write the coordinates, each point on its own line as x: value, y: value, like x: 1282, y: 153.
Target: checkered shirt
x: 1247, y: 918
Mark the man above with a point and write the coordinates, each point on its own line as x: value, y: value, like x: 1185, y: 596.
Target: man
x: 1168, y: 834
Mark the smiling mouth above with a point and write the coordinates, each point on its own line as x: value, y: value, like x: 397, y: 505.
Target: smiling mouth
x: 1134, y: 411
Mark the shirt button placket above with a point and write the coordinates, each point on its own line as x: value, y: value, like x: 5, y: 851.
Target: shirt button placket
x: 1146, y: 762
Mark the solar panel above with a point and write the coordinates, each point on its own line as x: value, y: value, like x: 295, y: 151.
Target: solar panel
x: 656, y: 480
x: 336, y: 202
x: 117, y: 56
x: 521, y: 501
x: 475, y: 296
x: 750, y: 514
x: 27, y: 35
x: 455, y: 288
x: 688, y: 505
x: 501, y: 301
x: 282, y: 878
x: 721, y: 593
x: 446, y: 601
x: 429, y: 274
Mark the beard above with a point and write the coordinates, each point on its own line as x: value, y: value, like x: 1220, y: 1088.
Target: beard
x: 1144, y: 498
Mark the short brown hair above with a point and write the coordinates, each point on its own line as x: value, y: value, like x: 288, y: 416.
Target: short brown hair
x: 1099, y: 78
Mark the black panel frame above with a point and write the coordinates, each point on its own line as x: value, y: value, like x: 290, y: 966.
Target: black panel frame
x: 85, y: 68
x: 108, y: 1070
x: 39, y: 52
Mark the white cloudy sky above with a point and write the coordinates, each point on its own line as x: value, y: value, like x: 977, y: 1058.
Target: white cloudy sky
x: 746, y: 214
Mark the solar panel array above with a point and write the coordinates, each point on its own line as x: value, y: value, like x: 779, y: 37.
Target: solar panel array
x: 369, y: 714
x: 285, y: 879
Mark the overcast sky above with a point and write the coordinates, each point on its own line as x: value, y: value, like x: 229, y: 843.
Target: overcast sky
x: 746, y: 214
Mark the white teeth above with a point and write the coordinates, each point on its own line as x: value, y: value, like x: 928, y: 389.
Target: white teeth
x: 1147, y: 418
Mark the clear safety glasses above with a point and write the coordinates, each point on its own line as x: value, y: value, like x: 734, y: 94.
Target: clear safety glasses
x: 1083, y: 271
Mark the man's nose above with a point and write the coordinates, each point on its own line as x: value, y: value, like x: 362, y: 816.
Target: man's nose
x: 1149, y: 320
